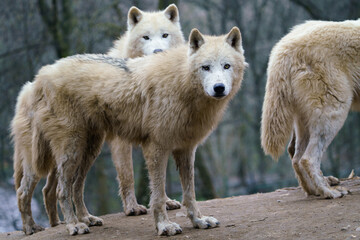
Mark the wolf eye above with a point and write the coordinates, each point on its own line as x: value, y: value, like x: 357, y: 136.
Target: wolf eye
x: 206, y: 68
x: 165, y: 35
x: 227, y: 66
x: 146, y: 37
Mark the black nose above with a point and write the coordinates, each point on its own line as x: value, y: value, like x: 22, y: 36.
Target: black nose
x: 157, y: 50
x: 219, y: 88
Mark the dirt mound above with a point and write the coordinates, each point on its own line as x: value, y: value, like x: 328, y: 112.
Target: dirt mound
x: 284, y: 214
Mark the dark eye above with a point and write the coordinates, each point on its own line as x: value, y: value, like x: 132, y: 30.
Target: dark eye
x: 206, y: 68
x: 165, y: 35
x: 227, y: 66
x: 146, y: 37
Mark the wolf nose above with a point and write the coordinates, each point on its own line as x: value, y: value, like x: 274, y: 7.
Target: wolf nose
x: 219, y: 88
x: 158, y: 50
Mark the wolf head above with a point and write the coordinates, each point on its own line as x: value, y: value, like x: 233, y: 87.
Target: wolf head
x: 218, y: 63
x: 152, y: 32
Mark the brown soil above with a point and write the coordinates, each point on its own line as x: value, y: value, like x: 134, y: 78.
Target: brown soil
x: 283, y: 214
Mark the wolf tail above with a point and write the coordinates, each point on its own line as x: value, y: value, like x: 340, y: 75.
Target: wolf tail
x: 277, y: 112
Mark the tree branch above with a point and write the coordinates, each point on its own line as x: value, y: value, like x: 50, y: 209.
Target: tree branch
x: 311, y: 8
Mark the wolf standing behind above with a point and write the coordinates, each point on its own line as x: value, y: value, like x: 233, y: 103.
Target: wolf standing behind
x: 313, y: 81
x: 76, y: 102
x: 147, y: 33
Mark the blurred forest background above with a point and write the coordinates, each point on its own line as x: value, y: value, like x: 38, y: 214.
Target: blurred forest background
x: 231, y: 162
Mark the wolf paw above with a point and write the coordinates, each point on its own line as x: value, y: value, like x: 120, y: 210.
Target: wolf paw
x: 30, y: 229
x: 91, y: 220
x: 168, y: 228
x: 78, y: 228
x: 57, y: 221
x: 172, y: 204
x: 135, y: 210
x: 206, y: 222
x: 336, y: 192
x: 332, y: 181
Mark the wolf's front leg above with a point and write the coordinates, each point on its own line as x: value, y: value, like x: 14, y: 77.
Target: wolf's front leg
x: 185, y: 163
x: 156, y: 160
x: 121, y: 154
x: 50, y: 200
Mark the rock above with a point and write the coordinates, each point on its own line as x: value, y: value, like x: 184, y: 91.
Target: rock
x: 345, y: 228
x: 180, y: 214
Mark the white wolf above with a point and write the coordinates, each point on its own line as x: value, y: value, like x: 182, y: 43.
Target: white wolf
x: 164, y: 27
x: 147, y: 33
x: 168, y: 102
x: 313, y: 80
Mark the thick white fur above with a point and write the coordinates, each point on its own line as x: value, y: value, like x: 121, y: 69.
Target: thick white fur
x: 313, y: 80
x: 158, y: 101
x: 132, y: 44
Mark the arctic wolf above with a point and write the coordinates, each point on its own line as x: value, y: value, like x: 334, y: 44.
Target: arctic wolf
x: 167, y: 102
x: 155, y: 25
x: 147, y: 33
x: 313, y: 81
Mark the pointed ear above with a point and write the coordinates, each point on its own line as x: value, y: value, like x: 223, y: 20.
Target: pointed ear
x: 134, y: 17
x: 172, y: 13
x: 234, y: 38
x: 195, y: 40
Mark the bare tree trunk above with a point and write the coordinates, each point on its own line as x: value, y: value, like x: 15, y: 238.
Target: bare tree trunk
x: 207, y: 189
x: 354, y: 10
x: 142, y: 188
x: 103, y: 202
x: 162, y: 4
x: 2, y: 156
x: 59, y: 23
x: 311, y: 8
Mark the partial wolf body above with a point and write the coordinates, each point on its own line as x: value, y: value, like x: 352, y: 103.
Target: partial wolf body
x: 147, y: 33
x: 164, y: 31
x: 168, y: 102
x: 313, y: 81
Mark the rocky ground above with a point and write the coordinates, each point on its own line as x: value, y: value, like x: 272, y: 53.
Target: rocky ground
x: 283, y: 214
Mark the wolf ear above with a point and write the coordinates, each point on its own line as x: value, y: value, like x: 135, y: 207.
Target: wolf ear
x: 172, y: 13
x: 234, y: 38
x: 195, y: 40
x: 134, y: 17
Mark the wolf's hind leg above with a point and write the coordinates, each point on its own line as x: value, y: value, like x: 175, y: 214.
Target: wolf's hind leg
x: 291, y: 147
x: 185, y: 162
x: 50, y: 200
x: 121, y: 152
x: 296, y: 150
x: 300, y: 140
x: 68, y: 163
x: 24, y: 195
x: 156, y: 161
x: 94, y: 144
x: 323, y: 127
x: 172, y: 204
x: 332, y: 181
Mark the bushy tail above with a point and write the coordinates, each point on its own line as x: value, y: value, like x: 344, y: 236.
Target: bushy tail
x: 277, y: 112
x: 18, y: 130
x: 23, y: 133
